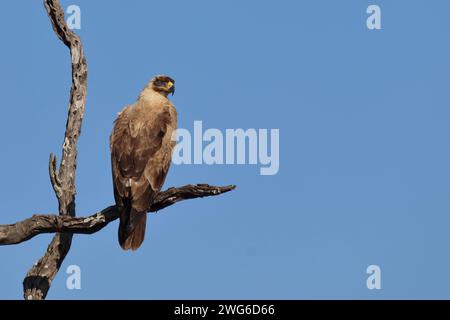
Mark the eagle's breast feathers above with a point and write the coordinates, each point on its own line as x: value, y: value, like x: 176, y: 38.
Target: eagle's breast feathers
x: 141, y: 149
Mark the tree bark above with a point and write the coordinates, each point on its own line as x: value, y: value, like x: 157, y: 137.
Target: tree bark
x: 39, y: 224
x: 39, y: 277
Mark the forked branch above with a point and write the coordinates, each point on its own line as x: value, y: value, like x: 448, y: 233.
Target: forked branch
x: 47, y: 223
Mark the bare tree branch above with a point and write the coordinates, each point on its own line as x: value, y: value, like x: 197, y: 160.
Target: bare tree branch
x: 39, y: 277
x: 39, y: 224
x: 54, y: 175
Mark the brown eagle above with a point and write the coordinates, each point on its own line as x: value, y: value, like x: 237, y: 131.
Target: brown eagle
x: 141, y: 151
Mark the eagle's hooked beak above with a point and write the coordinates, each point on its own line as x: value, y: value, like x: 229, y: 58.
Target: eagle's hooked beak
x: 171, y: 86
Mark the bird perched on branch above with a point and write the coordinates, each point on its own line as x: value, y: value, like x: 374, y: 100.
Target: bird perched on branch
x: 141, y: 151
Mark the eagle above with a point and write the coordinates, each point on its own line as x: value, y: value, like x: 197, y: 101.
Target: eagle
x: 141, y: 151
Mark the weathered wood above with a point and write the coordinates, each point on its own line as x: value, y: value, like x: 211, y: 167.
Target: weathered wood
x: 39, y: 224
x: 39, y: 277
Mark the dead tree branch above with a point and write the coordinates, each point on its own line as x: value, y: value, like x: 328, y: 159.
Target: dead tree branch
x: 39, y: 224
x: 39, y: 278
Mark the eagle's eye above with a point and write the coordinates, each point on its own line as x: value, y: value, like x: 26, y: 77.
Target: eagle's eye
x: 159, y: 83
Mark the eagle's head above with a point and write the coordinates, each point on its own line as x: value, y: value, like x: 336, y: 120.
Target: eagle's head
x: 163, y: 84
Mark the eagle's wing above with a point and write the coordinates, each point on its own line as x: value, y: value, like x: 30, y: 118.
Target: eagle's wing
x: 135, y: 141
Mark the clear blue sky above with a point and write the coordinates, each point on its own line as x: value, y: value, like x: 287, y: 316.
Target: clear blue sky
x: 364, y: 135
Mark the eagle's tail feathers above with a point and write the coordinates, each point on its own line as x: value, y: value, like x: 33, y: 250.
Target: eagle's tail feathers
x: 132, y: 229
